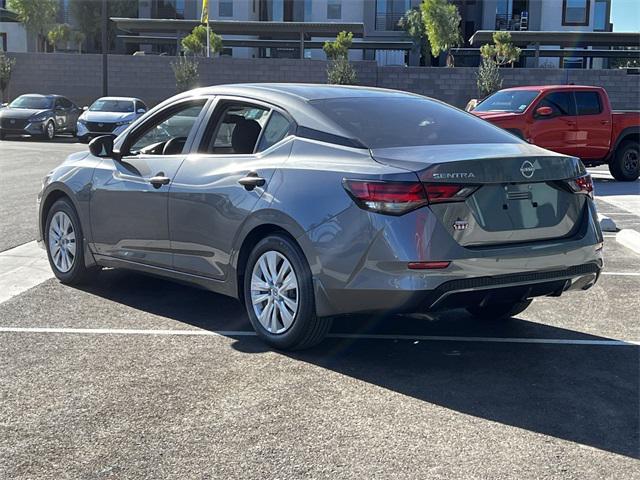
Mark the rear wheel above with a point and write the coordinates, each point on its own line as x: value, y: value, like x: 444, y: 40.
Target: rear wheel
x: 625, y: 164
x: 499, y: 311
x: 279, y: 297
x: 65, y: 244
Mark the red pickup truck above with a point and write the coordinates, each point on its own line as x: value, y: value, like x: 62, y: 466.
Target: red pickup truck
x: 569, y: 119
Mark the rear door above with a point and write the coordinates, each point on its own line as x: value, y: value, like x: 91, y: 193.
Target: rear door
x: 593, y: 139
x: 556, y: 132
x: 129, y: 201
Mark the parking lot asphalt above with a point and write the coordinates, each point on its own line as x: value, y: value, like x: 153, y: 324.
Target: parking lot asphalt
x: 138, y: 377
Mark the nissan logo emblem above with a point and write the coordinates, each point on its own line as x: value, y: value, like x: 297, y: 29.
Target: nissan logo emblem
x: 101, y: 124
x: 527, y: 169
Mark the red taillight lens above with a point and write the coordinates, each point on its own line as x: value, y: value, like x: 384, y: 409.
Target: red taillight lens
x: 443, y: 192
x: 427, y: 265
x: 392, y: 198
x: 582, y: 185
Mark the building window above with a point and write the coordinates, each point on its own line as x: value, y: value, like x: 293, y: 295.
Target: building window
x: 308, y: 9
x: 3, y: 42
x: 334, y: 9
x: 575, y: 12
x: 225, y: 8
x: 389, y: 13
x: 601, y: 16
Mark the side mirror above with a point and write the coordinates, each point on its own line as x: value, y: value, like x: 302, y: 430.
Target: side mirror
x: 103, y: 147
x: 4, y: 105
x: 141, y: 111
x: 85, y: 108
x: 544, y: 111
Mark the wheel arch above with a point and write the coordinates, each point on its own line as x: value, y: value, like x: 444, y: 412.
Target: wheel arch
x: 53, y: 194
x: 630, y: 133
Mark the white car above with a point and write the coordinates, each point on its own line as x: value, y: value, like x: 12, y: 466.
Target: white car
x: 109, y: 116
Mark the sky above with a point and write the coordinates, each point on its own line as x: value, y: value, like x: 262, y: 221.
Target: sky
x: 625, y: 15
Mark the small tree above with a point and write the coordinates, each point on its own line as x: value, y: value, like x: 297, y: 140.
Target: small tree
x: 339, y: 47
x: 185, y: 70
x: 37, y: 16
x: 413, y: 24
x: 442, y: 24
x: 59, y: 33
x: 6, y: 67
x: 503, y: 51
x: 488, y: 78
x: 340, y: 71
x: 78, y: 38
x: 88, y: 16
x: 196, y: 42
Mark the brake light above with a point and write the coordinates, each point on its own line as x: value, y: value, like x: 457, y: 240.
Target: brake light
x: 583, y: 185
x: 391, y: 198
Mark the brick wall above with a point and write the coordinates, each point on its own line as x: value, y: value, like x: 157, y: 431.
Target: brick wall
x: 150, y: 77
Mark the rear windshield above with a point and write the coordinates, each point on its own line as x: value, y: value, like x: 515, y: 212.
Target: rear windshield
x: 386, y: 122
x: 32, y: 102
x: 121, y: 106
x: 515, y: 101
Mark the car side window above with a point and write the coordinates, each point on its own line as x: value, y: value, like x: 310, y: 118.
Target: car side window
x: 167, y: 133
x: 277, y: 128
x: 64, y: 103
x: 235, y: 129
x: 141, y: 105
x: 560, y: 102
x: 588, y: 103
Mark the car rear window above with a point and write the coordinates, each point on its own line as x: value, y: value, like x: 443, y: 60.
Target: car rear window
x: 386, y: 122
x: 588, y: 103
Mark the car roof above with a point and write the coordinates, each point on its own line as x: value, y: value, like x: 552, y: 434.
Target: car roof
x: 545, y: 88
x: 296, y: 99
x: 122, y: 99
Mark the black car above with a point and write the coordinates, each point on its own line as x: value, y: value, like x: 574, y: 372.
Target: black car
x: 39, y: 115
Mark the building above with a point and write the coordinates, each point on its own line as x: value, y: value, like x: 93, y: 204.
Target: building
x: 384, y: 40
x: 13, y: 35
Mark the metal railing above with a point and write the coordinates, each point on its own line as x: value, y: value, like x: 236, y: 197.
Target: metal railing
x: 388, y: 21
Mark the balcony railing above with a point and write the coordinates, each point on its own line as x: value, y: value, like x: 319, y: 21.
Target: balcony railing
x: 514, y: 22
x: 388, y: 21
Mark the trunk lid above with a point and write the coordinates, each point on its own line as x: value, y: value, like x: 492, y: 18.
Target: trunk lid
x: 521, y: 195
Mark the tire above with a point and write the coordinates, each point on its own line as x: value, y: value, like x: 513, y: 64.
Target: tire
x: 499, y: 311
x: 625, y: 164
x: 287, y: 328
x: 49, y: 131
x: 74, y: 272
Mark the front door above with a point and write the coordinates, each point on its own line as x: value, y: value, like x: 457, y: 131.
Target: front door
x: 556, y: 132
x: 129, y: 196
x: 216, y: 189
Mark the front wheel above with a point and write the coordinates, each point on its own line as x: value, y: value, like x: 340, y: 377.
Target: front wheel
x: 65, y: 244
x: 625, y: 164
x: 499, y: 311
x: 279, y: 297
x: 49, y: 132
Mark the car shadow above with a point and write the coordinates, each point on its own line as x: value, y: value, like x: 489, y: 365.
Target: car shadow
x: 68, y: 139
x: 587, y: 394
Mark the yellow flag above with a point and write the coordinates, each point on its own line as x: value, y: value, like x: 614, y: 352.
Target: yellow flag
x: 205, y: 11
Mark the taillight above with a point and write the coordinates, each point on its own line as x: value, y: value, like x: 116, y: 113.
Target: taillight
x: 582, y: 185
x: 396, y: 198
x: 444, y: 192
x: 392, y: 198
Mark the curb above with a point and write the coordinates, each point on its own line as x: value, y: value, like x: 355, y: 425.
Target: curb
x: 630, y: 239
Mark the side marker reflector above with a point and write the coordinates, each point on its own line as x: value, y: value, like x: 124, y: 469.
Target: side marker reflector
x: 427, y: 265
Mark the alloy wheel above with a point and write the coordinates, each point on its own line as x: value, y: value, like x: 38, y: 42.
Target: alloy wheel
x: 630, y: 160
x: 51, y: 131
x: 62, y: 242
x: 274, y: 292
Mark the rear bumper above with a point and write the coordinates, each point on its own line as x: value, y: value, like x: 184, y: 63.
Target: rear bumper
x: 464, y: 292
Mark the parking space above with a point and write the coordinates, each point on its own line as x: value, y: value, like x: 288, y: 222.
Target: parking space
x: 133, y: 376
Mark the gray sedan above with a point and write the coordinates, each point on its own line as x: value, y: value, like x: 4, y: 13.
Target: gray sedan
x: 308, y: 202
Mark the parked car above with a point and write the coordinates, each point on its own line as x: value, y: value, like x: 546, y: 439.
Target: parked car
x: 39, y: 115
x: 312, y: 201
x: 109, y: 115
x: 572, y: 120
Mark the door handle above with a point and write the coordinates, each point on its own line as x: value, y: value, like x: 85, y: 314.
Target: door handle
x: 570, y: 122
x: 604, y: 122
x: 159, y: 179
x: 251, y: 181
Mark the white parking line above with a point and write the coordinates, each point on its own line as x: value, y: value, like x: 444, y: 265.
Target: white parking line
x: 354, y: 336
